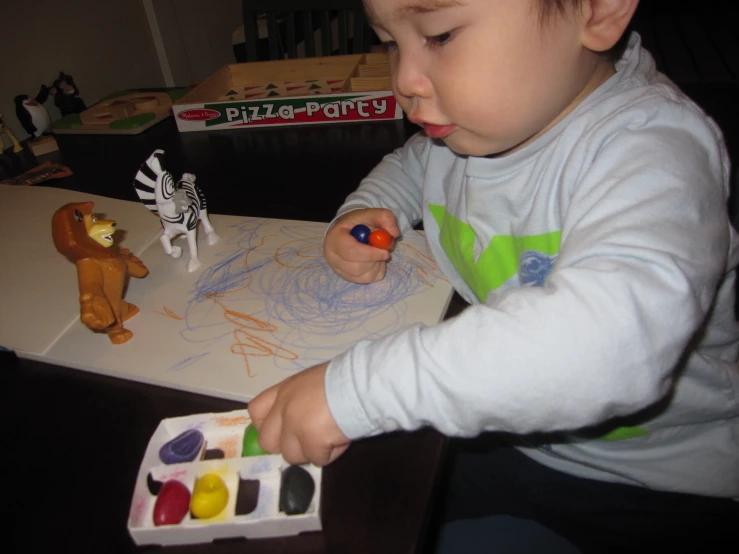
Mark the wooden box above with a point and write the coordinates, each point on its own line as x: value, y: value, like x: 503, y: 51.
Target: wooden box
x: 333, y: 89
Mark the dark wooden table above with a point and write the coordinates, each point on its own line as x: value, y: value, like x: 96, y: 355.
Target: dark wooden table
x: 76, y: 439
x: 301, y: 172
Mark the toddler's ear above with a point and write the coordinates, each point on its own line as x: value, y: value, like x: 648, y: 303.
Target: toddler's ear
x: 605, y: 22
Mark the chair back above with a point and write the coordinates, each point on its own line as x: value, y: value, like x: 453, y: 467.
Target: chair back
x: 341, y: 27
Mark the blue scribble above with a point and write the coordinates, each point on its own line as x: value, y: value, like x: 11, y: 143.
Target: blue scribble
x: 302, y: 297
x: 261, y: 464
x: 187, y: 361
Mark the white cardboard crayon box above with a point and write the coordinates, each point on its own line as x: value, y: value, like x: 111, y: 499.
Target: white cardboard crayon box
x: 303, y: 91
x: 195, y: 485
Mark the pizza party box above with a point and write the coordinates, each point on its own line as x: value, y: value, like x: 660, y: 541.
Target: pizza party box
x: 303, y: 91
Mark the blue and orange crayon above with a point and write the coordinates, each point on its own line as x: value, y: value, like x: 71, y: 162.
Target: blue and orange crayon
x: 378, y: 239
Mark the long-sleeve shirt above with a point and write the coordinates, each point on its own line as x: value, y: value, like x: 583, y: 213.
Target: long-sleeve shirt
x: 599, y: 261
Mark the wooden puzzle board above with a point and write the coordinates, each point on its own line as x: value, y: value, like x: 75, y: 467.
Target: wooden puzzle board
x: 98, y: 118
x: 263, y: 305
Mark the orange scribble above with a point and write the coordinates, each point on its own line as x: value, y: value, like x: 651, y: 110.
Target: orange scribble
x: 231, y: 446
x: 304, y: 252
x: 168, y: 313
x: 425, y: 265
x: 222, y: 421
x: 249, y: 340
x: 248, y: 344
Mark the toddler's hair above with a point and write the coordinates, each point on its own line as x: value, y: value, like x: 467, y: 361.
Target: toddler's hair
x: 547, y: 7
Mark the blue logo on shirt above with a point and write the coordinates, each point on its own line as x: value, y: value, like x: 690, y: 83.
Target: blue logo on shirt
x: 534, y: 267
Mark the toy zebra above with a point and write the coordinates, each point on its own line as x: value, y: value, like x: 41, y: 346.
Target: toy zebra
x: 179, y: 206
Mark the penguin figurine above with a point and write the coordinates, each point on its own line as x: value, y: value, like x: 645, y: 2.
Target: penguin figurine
x: 32, y: 114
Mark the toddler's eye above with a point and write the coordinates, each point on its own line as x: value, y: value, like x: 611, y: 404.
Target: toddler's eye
x: 390, y: 45
x: 440, y: 40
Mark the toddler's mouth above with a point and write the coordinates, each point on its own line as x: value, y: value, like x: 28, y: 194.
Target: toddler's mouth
x: 437, y: 131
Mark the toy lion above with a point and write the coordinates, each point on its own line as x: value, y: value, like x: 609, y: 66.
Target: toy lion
x: 102, y: 269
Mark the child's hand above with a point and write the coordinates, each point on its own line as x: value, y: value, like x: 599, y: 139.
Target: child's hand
x: 349, y: 258
x: 293, y: 418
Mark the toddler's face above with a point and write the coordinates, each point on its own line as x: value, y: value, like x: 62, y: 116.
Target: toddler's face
x: 485, y: 76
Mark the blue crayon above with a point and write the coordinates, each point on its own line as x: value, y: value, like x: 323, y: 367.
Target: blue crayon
x: 361, y: 233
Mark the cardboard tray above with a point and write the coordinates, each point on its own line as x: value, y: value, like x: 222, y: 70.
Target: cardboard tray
x: 332, y: 89
x: 223, y: 433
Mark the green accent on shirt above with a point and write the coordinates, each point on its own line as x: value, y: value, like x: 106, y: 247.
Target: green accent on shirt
x: 497, y: 263
x: 625, y: 433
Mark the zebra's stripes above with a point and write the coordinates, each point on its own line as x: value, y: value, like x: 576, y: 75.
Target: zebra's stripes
x: 152, y: 177
x: 145, y: 184
x: 180, y: 206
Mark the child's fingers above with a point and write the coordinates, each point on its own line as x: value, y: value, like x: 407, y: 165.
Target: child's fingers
x: 380, y: 218
x: 354, y: 251
x: 261, y: 405
x: 344, y: 250
x: 385, y: 219
x: 292, y: 450
x: 320, y: 454
x: 270, y: 431
x: 297, y: 451
x: 362, y: 270
x: 375, y: 218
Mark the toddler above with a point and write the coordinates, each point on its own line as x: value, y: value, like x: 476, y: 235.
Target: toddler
x: 577, y: 199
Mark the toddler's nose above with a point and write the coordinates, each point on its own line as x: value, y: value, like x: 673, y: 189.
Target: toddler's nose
x: 410, y: 80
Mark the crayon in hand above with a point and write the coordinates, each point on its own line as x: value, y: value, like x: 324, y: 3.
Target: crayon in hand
x: 361, y: 233
x: 378, y: 239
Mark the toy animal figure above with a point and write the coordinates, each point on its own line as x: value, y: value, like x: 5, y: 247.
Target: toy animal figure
x: 32, y: 114
x: 102, y: 269
x: 66, y: 95
x: 180, y: 206
x: 5, y: 130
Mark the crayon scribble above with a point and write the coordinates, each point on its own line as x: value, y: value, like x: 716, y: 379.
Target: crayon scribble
x: 187, y: 361
x: 168, y: 313
x: 307, y: 314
